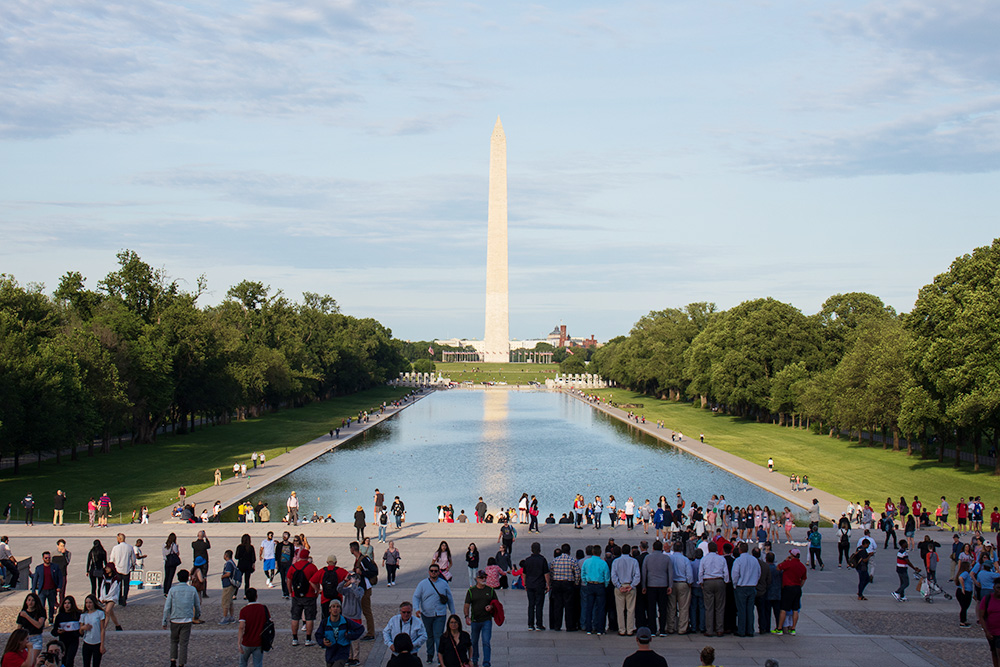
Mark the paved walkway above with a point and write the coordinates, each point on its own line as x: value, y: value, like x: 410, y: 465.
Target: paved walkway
x: 831, y: 506
x: 233, y: 490
x: 835, y: 629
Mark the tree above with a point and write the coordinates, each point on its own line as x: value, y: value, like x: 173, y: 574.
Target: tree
x: 572, y: 365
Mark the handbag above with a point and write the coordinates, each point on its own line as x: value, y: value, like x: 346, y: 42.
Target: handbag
x: 172, y: 559
x: 267, y: 633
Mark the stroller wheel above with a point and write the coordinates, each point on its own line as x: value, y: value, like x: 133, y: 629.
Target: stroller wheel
x: 929, y: 600
x: 947, y: 596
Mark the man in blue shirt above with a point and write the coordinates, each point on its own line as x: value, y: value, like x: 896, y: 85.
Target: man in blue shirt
x: 433, y: 601
x: 595, y: 576
x: 745, y: 575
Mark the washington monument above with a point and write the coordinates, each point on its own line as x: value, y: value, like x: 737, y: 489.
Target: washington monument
x: 496, y: 342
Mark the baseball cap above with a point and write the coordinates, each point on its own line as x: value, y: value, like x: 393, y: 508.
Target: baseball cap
x: 331, y: 559
x: 794, y: 552
x: 303, y: 554
x: 643, y: 635
x: 480, y: 575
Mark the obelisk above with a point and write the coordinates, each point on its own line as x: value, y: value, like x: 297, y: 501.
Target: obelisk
x: 496, y: 342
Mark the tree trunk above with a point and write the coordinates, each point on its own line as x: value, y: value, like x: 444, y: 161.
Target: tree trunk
x: 17, y: 462
x: 996, y: 450
x: 895, y: 438
x: 959, y: 442
x: 781, y: 419
x: 975, y: 449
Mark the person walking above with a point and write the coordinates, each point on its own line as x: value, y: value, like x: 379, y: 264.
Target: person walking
x: 453, y: 649
x: 508, y: 534
x: 335, y: 634
x: 478, y: 612
x: 284, y: 554
x: 472, y: 561
x: 815, y: 548
x: 46, y: 583
x: 963, y: 592
x: 859, y: 561
x: 391, y: 559
x: 199, y: 549
x: 171, y: 561
x: 988, y: 613
x: 903, y: 562
x: 432, y: 602
x: 253, y: 617
x: 403, y: 624
x: 123, y: 557
x: 93, y: 625
x: 58, y: 505
x: 364, y: 563
x: 246, y: 559
x: 181, y: 609
x: 303, y: 593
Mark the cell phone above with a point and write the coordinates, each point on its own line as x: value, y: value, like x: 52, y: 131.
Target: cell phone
x: 49, y: 657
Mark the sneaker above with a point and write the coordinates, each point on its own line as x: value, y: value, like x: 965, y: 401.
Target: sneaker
x: 531, y: 628
x: 368, y: 638
x: 295, y: 641
x: 903, y: 599
x: 309, y: 642
x: 776, y: 632
x: 792, y: 631
x: 964, y: 625
x: 896, y: 595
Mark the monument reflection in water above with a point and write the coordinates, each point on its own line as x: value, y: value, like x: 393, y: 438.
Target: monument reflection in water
x: 455, y: 446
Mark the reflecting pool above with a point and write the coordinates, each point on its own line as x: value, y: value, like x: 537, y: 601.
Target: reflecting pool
x: 454, y: 446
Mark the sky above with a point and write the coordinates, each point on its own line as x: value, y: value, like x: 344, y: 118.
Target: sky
x: 659, y: 153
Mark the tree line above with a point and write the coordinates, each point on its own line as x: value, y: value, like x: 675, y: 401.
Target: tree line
x: 138, y: 353
x: 930, y: 376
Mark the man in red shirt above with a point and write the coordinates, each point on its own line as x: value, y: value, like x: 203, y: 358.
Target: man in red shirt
x: 300, y: 573
x: 793, y: 576
x: 252, y: 619
x: 917, y: 508
x: 963, y: 515
x: 325, y: 583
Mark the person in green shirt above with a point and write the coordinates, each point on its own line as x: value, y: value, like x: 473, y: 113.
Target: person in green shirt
x: 477, y: 610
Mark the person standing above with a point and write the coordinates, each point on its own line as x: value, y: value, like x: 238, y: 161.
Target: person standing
x: 379, y: 503
x: 432, y: 601
x: 745, y: 576
x: 230, y: 584
x: 625, y: 578
x: 644, y: 655
x: 123, y: 557
x: 47, y: 583
x: 171, y: 561
x: 292, y: 504
x: 300, y: 574
x: 679, y: 601
x: 714, y: 575
x: 326, y: 581
x: 199, y: 549
x: 537, y: 582
x: 103, y: 510
x: 565, y: 578
x: 903, y: 562
x: 246, y: 559
x: 478, y: 613
x: 182, y: 608
x: 253, y: 617
x: 359, y: 523
x: 814, y: 515
x: 815, y: 548
x: 657, y: 578
x: 284, y: 554
x: 363, y: 563
x: 218, y: 477
x: 480, y: 510
x: 398, y: 510
x: 793, y: 577
x: 58, y: 505
x: 595, y: 576
x: 61, y: 558
x: 29, y: 510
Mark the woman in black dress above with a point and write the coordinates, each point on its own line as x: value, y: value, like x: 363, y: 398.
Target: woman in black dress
x: 96, y: 560
x: 453, y: 649
x: 359, y: 523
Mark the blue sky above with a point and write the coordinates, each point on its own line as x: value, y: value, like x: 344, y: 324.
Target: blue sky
x: 658, y: 153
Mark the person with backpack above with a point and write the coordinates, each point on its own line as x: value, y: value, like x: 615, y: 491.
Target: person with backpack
x: 351, y: 595
x: 507, y: 536
x: 284, y: 552
x: 300, y: 574
x: 325, y: 583
x: 335, y: 633
x: 369, y: 569
x: 843, y: 541
x: 432, y: 601
x: 383, y: 525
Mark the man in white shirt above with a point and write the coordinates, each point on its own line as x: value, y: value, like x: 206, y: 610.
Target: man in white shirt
x: 871, y: 551
x: 293, y: 509
x: 123, y: 556
x: 267, y: 559
x: 403, y: 623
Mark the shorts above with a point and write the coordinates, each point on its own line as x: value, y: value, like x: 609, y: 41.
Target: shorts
x: 659, y: 525
x: 995, y: 527
x: 36, y: 641
x: 103, y: 512
x: 791, y: 598
x: 304, y: 608
x: 270, y: 564
x: 962, y: 521
x: 944, y: 518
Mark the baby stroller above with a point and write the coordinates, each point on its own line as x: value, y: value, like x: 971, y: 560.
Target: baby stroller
x: 928, y: 589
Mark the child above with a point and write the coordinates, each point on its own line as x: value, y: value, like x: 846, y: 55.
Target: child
x: 140, y: 558
x: 931, y: 561
x: 518, y: 574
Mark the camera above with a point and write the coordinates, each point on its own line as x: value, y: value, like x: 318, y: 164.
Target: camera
x: 48, y: 658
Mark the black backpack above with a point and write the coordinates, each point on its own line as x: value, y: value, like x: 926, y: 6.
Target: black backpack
x: 267, y: 633
x: 300, y: 582
x: 371, y: 570
x: 329, y: 584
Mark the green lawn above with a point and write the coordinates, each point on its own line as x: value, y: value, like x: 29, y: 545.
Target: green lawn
x: 851, y: 470
x: 151, y: 474
x: 509, y: 373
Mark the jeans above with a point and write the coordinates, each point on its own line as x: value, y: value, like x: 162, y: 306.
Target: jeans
x: 15, y: 574
x: 597, y: 520
x: 629, y: 518
x: 435, y: 630
x: 49, y: 595
x: 399, y: 520
x: 904, y: 581
x: 246, y: 652
x: 763, y: 615
x: 381, y: 532
x: 593, y: 608
x: 472, y: 576
x: 862, y: 580
x: 697, y: 612
x: 744, y: 609
x: 283, y: 571
x: 536, y: 601
x: 482, y: 629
